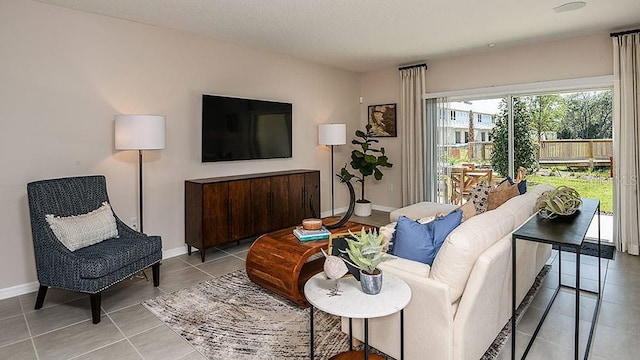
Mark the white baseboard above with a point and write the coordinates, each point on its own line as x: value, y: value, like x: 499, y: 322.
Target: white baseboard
x: 175, y: 252
x: 18, y: 290
x: 344, y: 209
x: 31, y: 287
x: 383, y: 208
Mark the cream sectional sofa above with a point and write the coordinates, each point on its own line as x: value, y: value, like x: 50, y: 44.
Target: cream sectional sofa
x: 461, y: 302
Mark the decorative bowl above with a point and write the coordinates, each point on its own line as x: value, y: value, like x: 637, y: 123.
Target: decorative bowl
x: 312, y: 224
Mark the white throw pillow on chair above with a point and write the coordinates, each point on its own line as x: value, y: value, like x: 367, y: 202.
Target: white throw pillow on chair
x: 78, y: 231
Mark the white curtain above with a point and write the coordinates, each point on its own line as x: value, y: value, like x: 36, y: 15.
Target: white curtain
x: 626, y: 130
x: 412, y: 112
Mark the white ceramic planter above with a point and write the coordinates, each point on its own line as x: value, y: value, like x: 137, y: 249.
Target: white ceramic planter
x: 363, y: 209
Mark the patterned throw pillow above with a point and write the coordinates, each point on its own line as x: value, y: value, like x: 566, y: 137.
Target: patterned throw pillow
x: 501, y: 194
x: 76, y: 232
x: 480, y: 196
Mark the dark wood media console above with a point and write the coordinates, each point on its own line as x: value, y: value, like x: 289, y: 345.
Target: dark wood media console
x: 226, y: 209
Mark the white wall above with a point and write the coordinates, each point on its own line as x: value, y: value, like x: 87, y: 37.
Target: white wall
x: 570, y: 58
x: 383, y: 87
x: 65, y: 74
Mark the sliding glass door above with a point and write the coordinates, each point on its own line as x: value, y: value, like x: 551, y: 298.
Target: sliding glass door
x: 463, y: 145
x: 557, y: 138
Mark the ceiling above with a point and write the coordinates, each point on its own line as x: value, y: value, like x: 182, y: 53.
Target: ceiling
x: 365, y: 35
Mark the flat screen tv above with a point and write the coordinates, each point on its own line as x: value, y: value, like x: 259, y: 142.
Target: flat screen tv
x: 245, y: 129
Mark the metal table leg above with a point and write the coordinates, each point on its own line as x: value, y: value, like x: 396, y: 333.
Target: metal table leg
x: 366, y: 339
x: 513, y: 298
x: 576, y: 345
x: 402, y: 334
x: 350, y: 334
x: 311, y: 355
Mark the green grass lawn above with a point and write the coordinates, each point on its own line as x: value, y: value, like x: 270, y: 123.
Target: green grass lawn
x: 599, y: 187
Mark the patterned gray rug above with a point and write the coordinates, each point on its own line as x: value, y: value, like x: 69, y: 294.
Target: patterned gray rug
x: 232, y: 318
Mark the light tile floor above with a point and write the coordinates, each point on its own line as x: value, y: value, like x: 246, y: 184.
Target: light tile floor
x: 618, y: 323
x: 62, y: 329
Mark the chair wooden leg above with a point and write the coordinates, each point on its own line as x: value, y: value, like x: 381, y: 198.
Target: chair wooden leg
x: 95, y: 306
x: 42, y: 292
x: 155, y: 269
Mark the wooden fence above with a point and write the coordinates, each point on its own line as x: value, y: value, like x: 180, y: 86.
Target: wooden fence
x: 572, y: 153
x: 576, y: 153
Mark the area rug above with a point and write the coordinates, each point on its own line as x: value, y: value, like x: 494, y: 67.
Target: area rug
x: 232, y: 318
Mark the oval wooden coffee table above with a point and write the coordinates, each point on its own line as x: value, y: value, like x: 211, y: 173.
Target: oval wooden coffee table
x: 279, y: 262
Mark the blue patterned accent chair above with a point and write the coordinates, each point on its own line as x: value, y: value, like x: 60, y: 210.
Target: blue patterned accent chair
x: 93, y: 268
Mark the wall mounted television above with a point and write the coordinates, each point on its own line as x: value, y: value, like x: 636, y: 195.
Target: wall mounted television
x: 245, y: 129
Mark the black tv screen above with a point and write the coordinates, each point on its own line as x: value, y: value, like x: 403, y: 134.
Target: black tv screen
x: 245, y: 129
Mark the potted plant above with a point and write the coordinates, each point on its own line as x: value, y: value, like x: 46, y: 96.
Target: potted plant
x: 367, y: 160
x: 366, y: 252
x: 563, y: 201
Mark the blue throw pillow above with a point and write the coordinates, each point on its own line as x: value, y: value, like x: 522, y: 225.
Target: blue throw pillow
x: 412, y: 240
x: 442, y: 226
x: 522, y: 185
x: 421, y: 242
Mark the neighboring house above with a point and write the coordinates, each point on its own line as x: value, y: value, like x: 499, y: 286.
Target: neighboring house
x: 456, y: 124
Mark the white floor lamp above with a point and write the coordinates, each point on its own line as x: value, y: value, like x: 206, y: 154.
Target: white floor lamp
x: 140, y: 132
x: 332, y: 134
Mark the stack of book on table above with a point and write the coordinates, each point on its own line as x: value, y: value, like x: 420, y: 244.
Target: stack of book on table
x: 308, y: 235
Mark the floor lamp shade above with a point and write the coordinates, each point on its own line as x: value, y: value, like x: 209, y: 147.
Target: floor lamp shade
x: 139, y: 132
x: 332, y: 134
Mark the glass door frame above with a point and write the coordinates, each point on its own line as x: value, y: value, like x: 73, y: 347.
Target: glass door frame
x: 432, y: 119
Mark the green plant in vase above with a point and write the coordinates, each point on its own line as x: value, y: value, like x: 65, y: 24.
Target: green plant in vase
x: 366, y: 252
x: 367, y: 161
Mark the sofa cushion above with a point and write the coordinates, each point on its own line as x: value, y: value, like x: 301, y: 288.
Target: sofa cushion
x: 457, y: 256
x: 108, y: 256
x: 501, y: 194
x: 404, y: 265
x: 387, y: 232
x: 468, y: 210
x: 421, y: 242
x: 523, y: 206
x: 78, y: 231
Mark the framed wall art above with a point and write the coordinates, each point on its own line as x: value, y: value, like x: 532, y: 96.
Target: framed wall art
x: 382, y: 119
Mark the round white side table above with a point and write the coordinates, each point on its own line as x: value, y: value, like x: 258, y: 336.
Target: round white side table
x: 353, y: 303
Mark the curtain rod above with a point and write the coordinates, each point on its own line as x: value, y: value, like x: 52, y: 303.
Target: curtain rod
x: 624, y: 32
x: 412, y: 66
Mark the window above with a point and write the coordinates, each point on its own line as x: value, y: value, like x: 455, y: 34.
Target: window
x: 533, y: 129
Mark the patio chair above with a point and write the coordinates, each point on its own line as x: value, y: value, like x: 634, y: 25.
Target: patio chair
x: 464, y: 179
x: 70, y: 206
